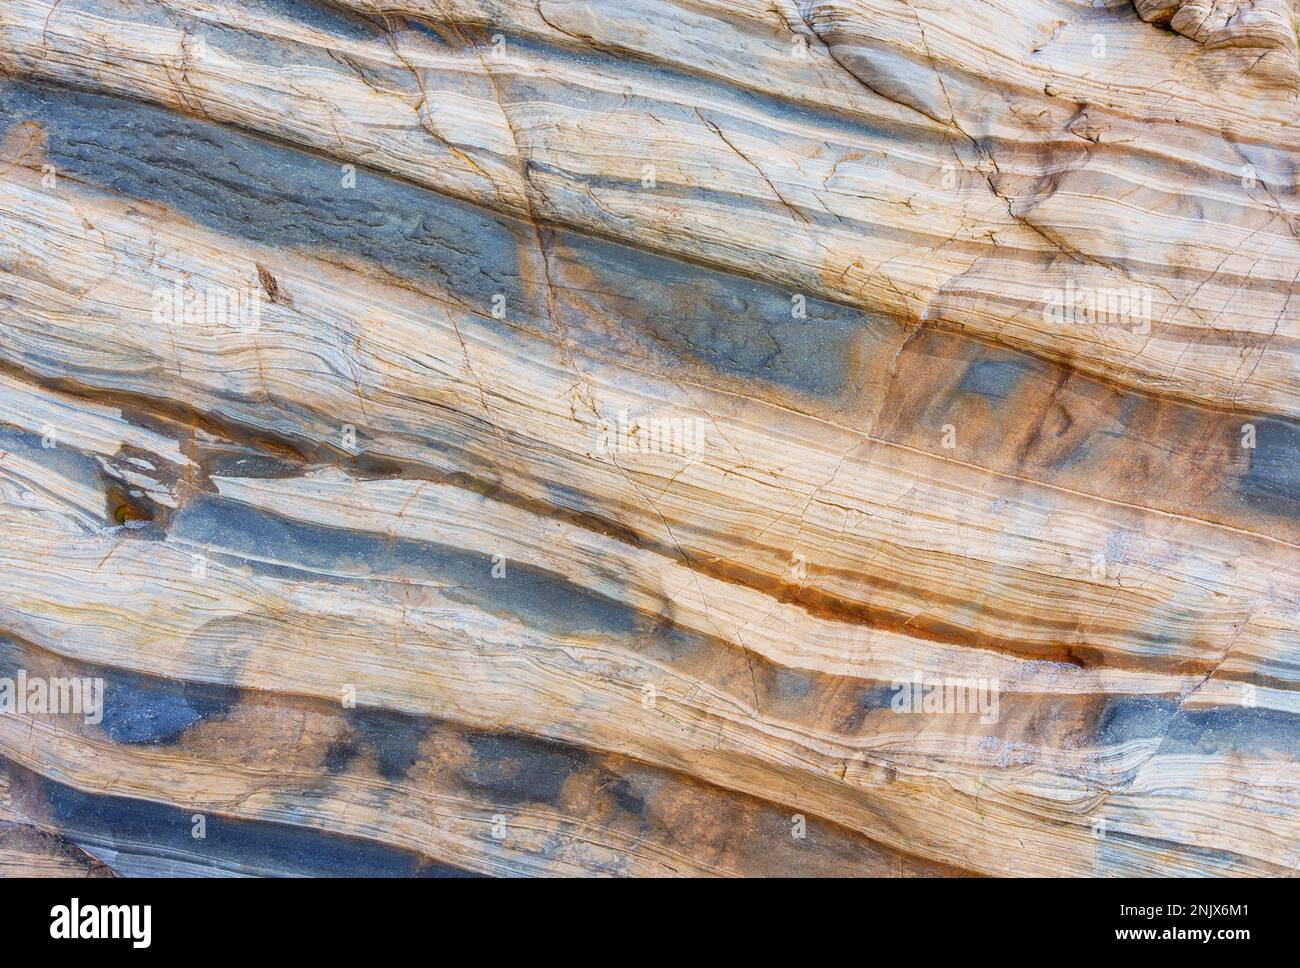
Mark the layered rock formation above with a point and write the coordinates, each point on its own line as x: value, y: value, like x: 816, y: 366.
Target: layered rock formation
x: 557, y: 437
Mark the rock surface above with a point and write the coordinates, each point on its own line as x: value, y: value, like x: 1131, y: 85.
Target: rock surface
x: 557, y: 438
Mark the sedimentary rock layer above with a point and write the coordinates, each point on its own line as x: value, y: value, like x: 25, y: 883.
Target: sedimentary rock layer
x: 548, y: 438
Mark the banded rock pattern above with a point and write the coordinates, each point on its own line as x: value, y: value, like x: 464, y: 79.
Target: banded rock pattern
x: 488, y: 437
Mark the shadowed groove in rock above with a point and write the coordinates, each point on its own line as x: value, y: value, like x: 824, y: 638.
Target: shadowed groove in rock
x: 274, y: 195
x: 1273, y: 480
x: 148, y: 710
x: 513, y: 768
x: 504, y: 770
x: 142, y: 836
x: 1225, y: 730
x: 271, y: 194
x: 393, y: 737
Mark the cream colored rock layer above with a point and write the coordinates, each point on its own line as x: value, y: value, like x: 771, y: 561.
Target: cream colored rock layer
x: 849, y: 504
x: 966, y: 162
